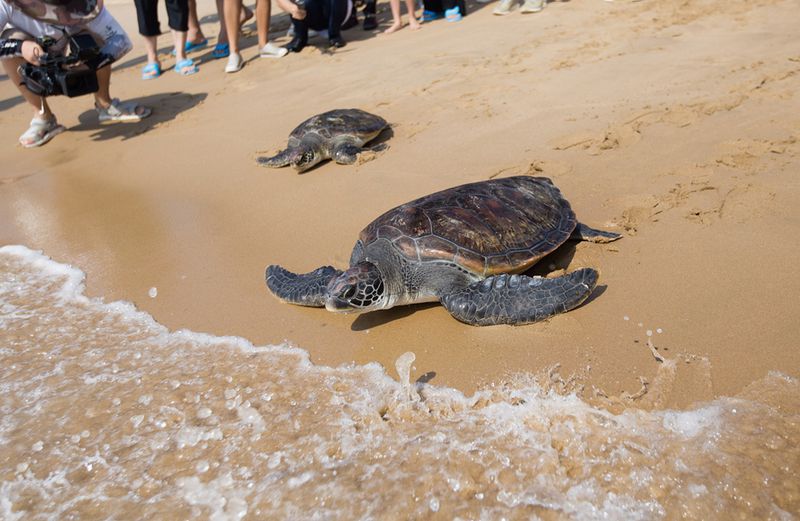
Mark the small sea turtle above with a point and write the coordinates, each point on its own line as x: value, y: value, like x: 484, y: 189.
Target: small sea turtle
x: 463, y: 247
x: 336, y: 134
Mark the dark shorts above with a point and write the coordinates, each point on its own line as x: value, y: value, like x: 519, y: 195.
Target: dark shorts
x: 147, y: 16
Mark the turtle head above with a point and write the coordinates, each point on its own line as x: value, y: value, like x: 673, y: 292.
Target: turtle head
x: 361, y: 288
x: 305, y: 157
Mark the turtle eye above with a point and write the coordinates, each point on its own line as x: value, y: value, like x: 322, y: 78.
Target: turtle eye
x: 349, y: 292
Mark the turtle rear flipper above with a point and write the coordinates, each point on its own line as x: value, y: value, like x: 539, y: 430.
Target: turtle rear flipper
x: 282, y: 158
x: 308, y: 289
x: 519, y: 299
x: 585, y: 233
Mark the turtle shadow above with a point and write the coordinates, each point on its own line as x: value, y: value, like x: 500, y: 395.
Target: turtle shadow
x: 378, y: 143
x: 598, y: 290
x: 558, y: 259
x: 383, y: 317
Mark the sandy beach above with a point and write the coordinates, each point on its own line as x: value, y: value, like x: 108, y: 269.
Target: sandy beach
x: 675, y: 123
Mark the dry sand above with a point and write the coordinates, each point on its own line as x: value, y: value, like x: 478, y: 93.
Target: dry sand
x: 674, y: 122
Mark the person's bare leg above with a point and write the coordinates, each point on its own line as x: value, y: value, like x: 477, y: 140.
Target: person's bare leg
x: 413, y: 24
x: 397, y: 22
x: 245, y: 15
x: 223, y: 31
x: 263, y: 12
x: 232, y: 10
x: 195, y: 34
x: 179, y: 39
x: 151, y: 48
x: 41, y: 109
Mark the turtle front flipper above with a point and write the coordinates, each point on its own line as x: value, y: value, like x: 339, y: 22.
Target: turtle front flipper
x: 309, y: 289
x: 519, y: 299
x: 282, y: 158
x: 585, y: 233
x: 345, y: 153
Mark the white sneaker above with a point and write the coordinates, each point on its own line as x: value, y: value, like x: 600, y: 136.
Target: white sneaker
x: 272, y: 51
x: 532, y: 6
x: 504, y: 7
x: 235, y: 62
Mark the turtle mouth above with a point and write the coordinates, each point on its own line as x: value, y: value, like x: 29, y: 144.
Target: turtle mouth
x: 338, y: 305
x: 305, y: 160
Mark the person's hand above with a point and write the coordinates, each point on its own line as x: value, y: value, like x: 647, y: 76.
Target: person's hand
x: 31, y: 51
x: 298, y: 13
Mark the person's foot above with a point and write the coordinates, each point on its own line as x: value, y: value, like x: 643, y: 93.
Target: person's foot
x: 41, y: 130
x: 221, y: 50
x: 151, y: 70
x: 195, y: 45
x: 272, y: 51
x: 246, y: 15
x: 413, y: 24
x: 429, y: 16
x: 504, y: 7
x: 337, y: 42
x: 235, y: 63
x: 393, y: 28
x: 115, y: 111
x: 186, y: 67
x: 296, y: 45
x: 370, y: 22
x: 532, y: 6
x: 452, y: 15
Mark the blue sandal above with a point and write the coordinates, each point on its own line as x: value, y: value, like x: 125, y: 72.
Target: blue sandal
x: 192, y: 46
x: 453, y: 15
x: 151, y: 71
x: 186, y: 67
x: 221, y: 50
x: 429, y: 16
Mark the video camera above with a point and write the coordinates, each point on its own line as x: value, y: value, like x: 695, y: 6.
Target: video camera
x: 71, y: 74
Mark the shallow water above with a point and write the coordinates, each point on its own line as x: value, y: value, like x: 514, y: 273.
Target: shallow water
x: 108, y: 415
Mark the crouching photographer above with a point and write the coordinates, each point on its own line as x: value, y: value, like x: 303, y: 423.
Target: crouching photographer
x: 63, y: 47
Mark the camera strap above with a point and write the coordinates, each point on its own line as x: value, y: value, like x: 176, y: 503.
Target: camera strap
x: 10, y: 48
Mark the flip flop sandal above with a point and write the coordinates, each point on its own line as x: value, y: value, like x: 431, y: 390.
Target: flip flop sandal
x: 151, y: 71
x: 429, y: 16
x: 186, y: 67
x: 191, y: 46
x: 121, y: 112
x: 195, y: 46
x: 40, y: 132
x: 221, y: 50
x: 452, y: 15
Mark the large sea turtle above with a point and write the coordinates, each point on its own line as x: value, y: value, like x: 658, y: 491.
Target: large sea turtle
x: 336, y: 134
x: 463, y: 247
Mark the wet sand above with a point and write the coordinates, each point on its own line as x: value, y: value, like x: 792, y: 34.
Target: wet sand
x: 674, y: 123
